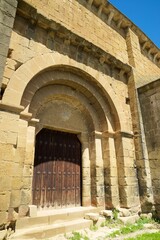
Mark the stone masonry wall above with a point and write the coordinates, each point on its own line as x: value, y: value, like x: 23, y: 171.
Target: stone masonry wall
x: 28, y: 41
x: 140, y: 75
x: 7, y: 15
x: 25, y: 48
x: 83, y: 22
x: 149, y: 96
x: 145, y: 71
x: 11, y: 172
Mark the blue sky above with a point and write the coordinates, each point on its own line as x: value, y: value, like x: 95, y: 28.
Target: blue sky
x: 143, y: 13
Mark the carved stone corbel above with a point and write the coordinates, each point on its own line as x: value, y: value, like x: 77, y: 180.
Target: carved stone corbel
x: 144, y: 45
x: 102, y: 59
x: 155, y: 57
x: 101, y: 7
x: 121, y: 74
x: 89, y: 4
x: 119, y: 22
x: 110, y: 17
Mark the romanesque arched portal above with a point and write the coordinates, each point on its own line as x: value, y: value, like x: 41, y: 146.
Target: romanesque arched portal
x: 66, y: 96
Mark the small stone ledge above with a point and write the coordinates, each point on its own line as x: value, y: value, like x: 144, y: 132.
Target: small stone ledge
x: 146, y: 215
x: 124, y: 215
x: 131, y: 219
x: 123, y: 212
x: 97, y: 219
x: 153, y: 85
x: 25, y: 116
x: 92, y: 216
x: 11, y: 108
x: 124, y: 134
x: 107, y: 214
x: 32, y: 211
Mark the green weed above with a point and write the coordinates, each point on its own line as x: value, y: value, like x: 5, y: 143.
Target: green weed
x: 146, y: 236
x: 115, y: 213
x: 78, y: 236
x: 93, y: 228
x: 129, y: 228
x: 111, y: 223
x: 144, y: 220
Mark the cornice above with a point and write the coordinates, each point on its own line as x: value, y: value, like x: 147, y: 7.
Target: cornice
x: 67, y: 37
x: 112, y: 17
x: 153, y: 85
x: 120, y: 23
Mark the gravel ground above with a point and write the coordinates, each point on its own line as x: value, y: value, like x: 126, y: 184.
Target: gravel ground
x: 99, y: 234
x: 102, y: 233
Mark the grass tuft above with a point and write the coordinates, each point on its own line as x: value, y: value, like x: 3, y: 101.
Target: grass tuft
x: 146, y: 236
x: 111, y: 223
x: 94, y: 228
x: 129, y: 228
x: 78, y: 236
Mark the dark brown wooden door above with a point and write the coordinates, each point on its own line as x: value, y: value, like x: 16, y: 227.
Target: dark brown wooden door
x: 57, y: 170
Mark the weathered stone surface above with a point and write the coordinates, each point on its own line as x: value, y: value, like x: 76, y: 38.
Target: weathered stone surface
x: 7, y: 14
x: 15, y: 198
x: 92, y: 216
x: 4, y: 200
x: 3, y: 234
x: 107, y: 213
x: 72, y: 71
x: 32, y: 211
x: 100, y: 221
x: 144, y: 215
x: 130, y: 219
x: 12, y: 215
x: 23, y: 210
x: 149, y: 101
x: 123, y: 212
x: 3, y: 217
x: 5, y: 183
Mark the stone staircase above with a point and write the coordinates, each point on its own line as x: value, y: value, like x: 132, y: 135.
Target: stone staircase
x: 49, y: 223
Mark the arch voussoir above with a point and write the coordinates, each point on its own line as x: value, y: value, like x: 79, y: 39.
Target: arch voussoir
x: 42, y: 63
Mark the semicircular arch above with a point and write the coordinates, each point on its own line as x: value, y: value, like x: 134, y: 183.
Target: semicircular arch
x: 50, y: 94
x: 22, y: 77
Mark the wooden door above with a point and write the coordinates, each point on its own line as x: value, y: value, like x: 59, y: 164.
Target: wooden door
x: 57, y: 170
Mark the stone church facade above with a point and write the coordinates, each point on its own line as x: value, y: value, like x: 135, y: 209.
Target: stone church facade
x: 79, y: 108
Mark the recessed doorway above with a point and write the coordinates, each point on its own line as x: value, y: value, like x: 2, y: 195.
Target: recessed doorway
x: 57, y: 170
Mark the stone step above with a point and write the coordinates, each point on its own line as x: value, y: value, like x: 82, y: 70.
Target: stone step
x: 49, y: 217
x: 47, y: 231
x: 130, y: 219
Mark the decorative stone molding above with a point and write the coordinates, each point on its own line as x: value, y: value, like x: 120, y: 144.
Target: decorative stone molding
x: 33, y: 121
x: 150, y: 51
x: 153, y: 85
x: 118, y: 133
x: 108, y: 134
x: 124, y: 134
x: 119, y: 22
x: 57, y: 31
x: 25, y: 116
x: 11, y: 108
